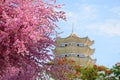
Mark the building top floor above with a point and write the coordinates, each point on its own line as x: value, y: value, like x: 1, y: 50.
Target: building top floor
x: 73, y: 39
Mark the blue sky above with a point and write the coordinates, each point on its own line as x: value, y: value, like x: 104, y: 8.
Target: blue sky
x: 100, y: 21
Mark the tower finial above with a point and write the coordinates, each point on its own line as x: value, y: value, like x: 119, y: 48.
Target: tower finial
x: 72, y: 28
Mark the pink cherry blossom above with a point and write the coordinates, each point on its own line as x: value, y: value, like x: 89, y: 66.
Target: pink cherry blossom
x: 26, y: 27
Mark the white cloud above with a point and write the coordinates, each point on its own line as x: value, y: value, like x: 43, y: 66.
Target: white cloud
x: 72, y: 16
x: 107, y: 28
x: 89, y: 11
x: 84, y: 12
x: 116, y: 10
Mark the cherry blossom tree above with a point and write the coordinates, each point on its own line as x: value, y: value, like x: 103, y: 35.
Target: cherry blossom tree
x: 26, y: 27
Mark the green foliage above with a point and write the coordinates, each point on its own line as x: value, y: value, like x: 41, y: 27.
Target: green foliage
x: 95, y: 72
x: 71, y: 71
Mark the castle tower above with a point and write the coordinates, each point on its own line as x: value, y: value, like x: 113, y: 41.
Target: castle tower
x: 75, y: 48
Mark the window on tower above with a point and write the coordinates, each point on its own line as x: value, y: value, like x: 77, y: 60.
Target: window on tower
x: 65, y: 44
x: 65, y: 55
x: 61, y: 45
x: 78, y: 45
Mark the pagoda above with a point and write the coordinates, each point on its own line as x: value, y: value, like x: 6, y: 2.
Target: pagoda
x: 75, y: 48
